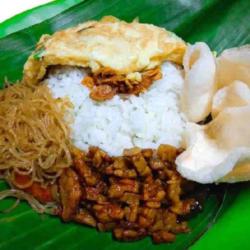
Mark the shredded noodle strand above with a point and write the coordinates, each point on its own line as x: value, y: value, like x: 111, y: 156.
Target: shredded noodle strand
x: 34, y: 139
x: 49, y: 208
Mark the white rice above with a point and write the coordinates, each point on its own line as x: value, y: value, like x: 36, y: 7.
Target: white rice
x: 146, y: 121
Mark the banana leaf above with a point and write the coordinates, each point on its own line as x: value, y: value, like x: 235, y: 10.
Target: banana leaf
x: 35, y: 15
x: 220, y: 23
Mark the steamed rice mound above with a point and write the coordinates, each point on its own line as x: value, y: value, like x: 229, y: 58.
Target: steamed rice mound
x: 145, y: 121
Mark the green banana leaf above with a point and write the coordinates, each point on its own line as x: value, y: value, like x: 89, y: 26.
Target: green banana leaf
x: 220, y: 23
x: 35, y: 15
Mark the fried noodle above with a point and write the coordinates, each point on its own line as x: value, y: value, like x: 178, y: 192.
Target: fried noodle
x: 34, y: 140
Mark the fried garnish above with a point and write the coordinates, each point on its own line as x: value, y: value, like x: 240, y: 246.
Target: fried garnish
x: 106, y: 83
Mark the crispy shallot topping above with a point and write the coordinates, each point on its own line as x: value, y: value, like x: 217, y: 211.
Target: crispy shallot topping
x: 106, y: 83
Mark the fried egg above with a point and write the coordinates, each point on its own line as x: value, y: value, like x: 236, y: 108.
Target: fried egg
x: 127, y: 48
